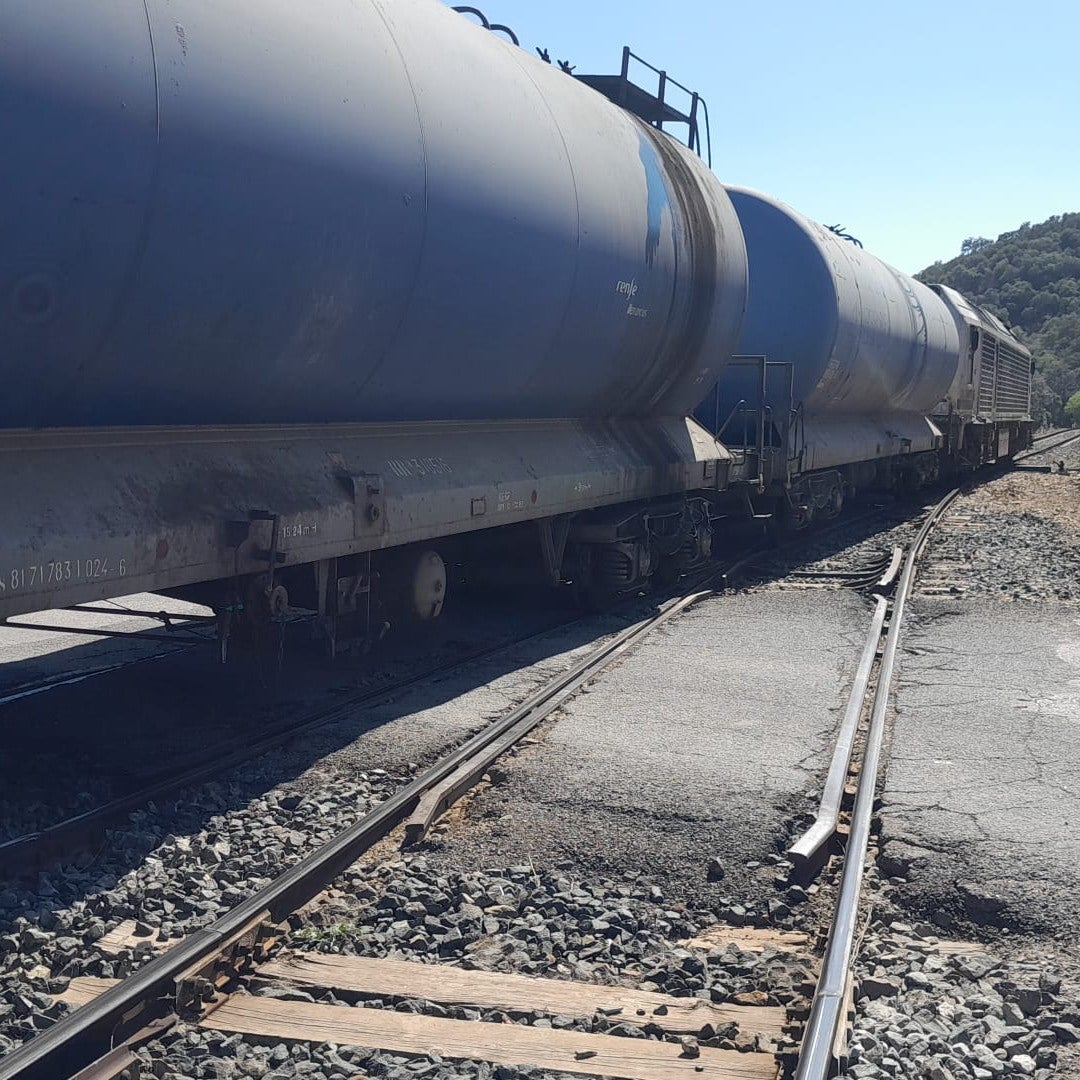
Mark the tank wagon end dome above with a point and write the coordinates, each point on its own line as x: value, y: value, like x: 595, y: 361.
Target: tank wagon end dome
x: 786, y: 265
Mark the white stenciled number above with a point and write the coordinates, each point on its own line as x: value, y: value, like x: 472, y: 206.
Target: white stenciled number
x: 37, y: 575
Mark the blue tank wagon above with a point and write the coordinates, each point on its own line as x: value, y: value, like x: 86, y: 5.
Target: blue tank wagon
x: 279, y: 290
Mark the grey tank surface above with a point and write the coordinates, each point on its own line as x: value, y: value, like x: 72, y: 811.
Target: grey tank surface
x: 342, y: 210
x: 864, y: 338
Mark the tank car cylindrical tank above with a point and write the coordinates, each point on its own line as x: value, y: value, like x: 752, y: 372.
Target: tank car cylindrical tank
x: 863, y: 338
x: 345, y: 210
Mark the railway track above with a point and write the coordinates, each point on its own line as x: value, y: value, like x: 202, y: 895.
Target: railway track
x: 34, y: 850
x: 201, y: 979
x: 215, y: 952
x: 1047, y: 435
x: 1043, y: 444
x: 869, y: 698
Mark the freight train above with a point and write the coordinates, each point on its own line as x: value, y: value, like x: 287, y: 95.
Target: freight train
x: 293, y: 305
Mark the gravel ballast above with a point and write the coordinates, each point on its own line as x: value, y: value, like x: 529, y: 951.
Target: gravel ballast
x: 177, y: 866
x: 596, y: 853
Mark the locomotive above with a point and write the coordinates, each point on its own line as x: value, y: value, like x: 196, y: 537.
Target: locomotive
x: 290, y: 307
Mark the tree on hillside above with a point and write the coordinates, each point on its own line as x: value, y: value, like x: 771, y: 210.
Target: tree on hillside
x: 1072, y: 408
x: 973, y: 244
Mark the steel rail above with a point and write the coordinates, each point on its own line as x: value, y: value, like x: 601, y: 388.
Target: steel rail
x: 872, y: 570
x: 75, y: 1041
x: 816, y: 531
x: 173, y: 637
x: 36, y: 848
x: 1050, y: 434
x: 825, y: 1011
x: 1036, y: 450
x: 893, y: 569
x: 73, y: 676
x: 807, y: 850
x: 808, y: 847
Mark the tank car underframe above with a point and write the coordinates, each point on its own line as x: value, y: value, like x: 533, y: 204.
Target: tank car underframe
x: 106, y: 513
x: 808, y: 466
x: 953, y: 445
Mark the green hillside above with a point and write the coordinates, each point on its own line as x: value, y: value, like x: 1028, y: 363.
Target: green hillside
x: 1030, y: 279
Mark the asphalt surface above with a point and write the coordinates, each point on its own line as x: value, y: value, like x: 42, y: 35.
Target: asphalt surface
x: 980, y: 810
x: 708, y: 740
x: 88, y: 719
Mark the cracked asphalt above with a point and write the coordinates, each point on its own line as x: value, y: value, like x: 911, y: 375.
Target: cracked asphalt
x: 980, y: 812
x: 706, y: 741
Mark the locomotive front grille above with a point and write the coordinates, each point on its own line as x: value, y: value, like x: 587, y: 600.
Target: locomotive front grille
x: 1013, y: 382
x: 987, y: 369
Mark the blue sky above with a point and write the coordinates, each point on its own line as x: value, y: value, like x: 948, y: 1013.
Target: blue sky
x: 914, y: 124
